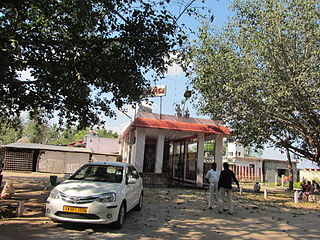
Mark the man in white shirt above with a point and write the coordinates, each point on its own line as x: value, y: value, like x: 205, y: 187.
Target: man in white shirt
x: 212, y: 178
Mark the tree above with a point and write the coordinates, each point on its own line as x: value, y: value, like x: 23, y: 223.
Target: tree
x: 83, y: 56
x: 209, y: 147
x: 10, y: 130
x: 252, y: 152
x: 37, y: 131
x: 67, y: 135
x: 260, y: 74
x: 104, y: 133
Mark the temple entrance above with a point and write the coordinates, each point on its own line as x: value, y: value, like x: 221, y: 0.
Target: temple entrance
x: 184, y: 156
x: 191, y: 161
x: 149, y: 158
x: 178, y: 159
x: 166, y: 157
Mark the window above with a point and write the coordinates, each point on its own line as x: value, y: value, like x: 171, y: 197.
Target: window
x: 101, y: 173
x: 134, y: 172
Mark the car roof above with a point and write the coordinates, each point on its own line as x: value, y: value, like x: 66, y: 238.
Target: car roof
x: 118, y: 164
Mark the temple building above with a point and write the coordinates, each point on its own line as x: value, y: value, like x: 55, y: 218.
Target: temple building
x: 167, y: 148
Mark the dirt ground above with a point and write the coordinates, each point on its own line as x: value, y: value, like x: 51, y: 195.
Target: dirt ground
x: 168, y: 213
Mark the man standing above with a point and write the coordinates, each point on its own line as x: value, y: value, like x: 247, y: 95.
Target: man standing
x: 212, y: 178
x: 225, y: 187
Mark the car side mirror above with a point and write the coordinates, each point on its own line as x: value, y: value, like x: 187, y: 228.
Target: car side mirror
x: 66, y: 176
x: 132, y: 180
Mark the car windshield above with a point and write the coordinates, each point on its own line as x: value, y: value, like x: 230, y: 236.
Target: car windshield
x: 101, y: 173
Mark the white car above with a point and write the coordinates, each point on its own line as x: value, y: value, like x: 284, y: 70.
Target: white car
x: 99, y: 192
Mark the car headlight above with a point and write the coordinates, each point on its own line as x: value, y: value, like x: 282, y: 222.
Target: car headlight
x: 106, y: 197
x: 55, y: 194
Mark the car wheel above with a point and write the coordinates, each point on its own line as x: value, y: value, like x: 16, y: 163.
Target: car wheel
x: 121, y: 215
x: 140, y: 203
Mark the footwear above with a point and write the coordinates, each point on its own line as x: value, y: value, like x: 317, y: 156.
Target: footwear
x: 210, y: 208
x: 220, y: 212
x: 230, y: 213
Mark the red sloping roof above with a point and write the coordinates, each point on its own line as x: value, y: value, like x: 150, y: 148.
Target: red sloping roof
x: 80, y: 143
x: 180, y: 126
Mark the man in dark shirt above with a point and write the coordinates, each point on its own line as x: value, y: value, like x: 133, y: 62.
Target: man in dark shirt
x: 225, y: 187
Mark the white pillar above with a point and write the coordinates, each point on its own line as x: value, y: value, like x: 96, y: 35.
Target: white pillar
x: 265, y: 194
x: 296, y: 196
x: 124, y: 150
x: 159, y: 157
x: 138, y: 154
x: 121, y: 147
x: 218, y: 152
x: 200, y: 160
x: 131, y: 152
x: 20, y: 208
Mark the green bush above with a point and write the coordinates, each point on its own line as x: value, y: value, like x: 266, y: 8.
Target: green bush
x: 269, y: 184
x: 297, y: 185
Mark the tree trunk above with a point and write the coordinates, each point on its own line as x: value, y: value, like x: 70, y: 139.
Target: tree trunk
x: 290, y: 170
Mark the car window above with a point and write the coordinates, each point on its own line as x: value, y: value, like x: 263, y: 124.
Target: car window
x: 134, y: 172
x: 101, y: 173
x: 129, y: 173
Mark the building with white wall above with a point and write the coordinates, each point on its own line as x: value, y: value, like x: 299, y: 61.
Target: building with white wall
x: 171, y: 147
x: 235, y: 150
x: 256, y: 168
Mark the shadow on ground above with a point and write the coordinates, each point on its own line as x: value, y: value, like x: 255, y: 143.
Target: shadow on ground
x: 172, y: 214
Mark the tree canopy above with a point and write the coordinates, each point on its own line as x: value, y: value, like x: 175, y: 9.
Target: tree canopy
x: 83, y: 56
x: 260, y: 74
x: 10, y: 131
x: 63, y: 136
x: 38, y: 131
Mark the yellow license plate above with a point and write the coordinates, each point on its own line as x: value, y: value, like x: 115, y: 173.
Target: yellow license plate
x: 75, y: 209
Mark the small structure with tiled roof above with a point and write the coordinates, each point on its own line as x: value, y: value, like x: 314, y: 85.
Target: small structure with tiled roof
x: 32, y: 157
x: 171, y: 146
